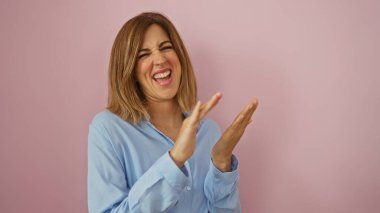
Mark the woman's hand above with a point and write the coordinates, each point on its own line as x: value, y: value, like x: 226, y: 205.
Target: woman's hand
x: 185, y: 144
x: 222, y: 151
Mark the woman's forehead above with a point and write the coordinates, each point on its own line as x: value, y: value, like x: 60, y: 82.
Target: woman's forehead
x: 154, y: 36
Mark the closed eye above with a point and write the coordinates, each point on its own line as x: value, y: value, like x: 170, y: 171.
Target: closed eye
x: 166, y: 48
x: 146, y: 52
x: 143, y: 55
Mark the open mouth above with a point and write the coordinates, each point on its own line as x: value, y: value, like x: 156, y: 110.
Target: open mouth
x: 163, y: 78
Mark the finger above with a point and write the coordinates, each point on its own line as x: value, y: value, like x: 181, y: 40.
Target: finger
x: 210, y: 104
x: 252, y: 108
x: 242, y: 120
x: 248, y: 117
x: 194, y: 117
x: 250, y: 121
x: 240, y: 117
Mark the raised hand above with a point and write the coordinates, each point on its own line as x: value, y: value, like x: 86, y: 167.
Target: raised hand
x: 222, y: 151
x: 185, y: 144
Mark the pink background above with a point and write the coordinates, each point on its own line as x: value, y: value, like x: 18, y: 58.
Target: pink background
x: 314, y: 145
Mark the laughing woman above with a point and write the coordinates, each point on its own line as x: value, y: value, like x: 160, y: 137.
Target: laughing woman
x: 152, y: 149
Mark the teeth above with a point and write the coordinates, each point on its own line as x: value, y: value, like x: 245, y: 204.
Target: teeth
x: 162, y: 75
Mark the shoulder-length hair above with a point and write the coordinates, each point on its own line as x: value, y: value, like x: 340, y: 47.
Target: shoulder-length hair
x: 125, y: 98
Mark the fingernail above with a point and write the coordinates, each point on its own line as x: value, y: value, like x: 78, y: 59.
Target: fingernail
x: 256, y: 101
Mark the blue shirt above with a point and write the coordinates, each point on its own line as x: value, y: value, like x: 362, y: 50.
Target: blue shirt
x: 130, y: 170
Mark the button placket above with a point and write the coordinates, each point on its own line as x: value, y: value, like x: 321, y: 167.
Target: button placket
x: 189, y: 186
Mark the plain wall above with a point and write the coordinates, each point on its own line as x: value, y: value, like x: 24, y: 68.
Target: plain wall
x: 314, y: 145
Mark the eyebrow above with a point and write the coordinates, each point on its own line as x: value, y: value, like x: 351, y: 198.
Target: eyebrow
x: 161, y: 44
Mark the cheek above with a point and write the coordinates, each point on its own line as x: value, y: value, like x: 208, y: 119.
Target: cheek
x: 174, y: 60
x: 142, y: 71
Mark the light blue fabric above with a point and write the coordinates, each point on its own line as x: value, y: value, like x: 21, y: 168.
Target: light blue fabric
x: 130, y: 170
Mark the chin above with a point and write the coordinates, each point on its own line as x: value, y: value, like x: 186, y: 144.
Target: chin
x: 169, y: 96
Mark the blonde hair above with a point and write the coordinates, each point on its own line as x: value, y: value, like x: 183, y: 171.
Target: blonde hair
x: 125, y: 97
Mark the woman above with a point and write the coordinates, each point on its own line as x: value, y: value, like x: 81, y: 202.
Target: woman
x: 147, y: 152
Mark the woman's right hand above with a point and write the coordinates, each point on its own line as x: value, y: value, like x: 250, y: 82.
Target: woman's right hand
x: 184, y: 146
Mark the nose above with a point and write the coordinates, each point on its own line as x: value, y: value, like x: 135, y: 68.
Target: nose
x: 158, y: 58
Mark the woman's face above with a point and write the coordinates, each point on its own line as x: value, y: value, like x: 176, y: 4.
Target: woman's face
x: 158, y: 69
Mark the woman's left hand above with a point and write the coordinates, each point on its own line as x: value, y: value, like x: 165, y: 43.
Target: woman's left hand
x: 222, y: 151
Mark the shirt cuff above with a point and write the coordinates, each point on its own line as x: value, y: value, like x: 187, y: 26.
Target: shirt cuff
x: 175, y: 176
x: 226, y: 177
x: 219, y: 185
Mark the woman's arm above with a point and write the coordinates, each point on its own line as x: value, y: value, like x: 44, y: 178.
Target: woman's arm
x: 221, y: 181
x: 108, y: 189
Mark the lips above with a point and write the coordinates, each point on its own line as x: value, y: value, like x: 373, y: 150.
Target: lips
x: 162, y: 77
x: 162, y: 74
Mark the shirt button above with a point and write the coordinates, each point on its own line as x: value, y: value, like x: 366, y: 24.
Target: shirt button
x: 188, y: 188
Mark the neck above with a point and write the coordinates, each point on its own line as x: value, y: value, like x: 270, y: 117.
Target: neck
x: 165, y: 113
